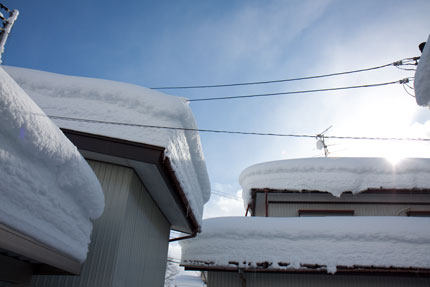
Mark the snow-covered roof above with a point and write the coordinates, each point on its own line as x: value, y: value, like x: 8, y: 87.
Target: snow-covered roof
x: 105, y: 100
x: 294, y: 243
x: 422, y: 78
x: 336, y: 175
x: 48, y: 191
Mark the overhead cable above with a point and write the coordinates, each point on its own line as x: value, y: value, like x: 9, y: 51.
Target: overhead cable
x: 299, y: 92
x: 236, y: 132
x: 229, y: 196
x: 406, y: 61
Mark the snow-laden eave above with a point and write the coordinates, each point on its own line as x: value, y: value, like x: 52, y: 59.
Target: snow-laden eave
x: 115, y: 102
x: 170, y: 196
x: 189, y: 213
x: 422, y: 78
x: 48, y: 191
x: 310, y: 242
x: 335, y: 175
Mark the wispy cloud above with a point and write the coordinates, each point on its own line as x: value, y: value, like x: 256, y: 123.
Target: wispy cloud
x: 226, y: 200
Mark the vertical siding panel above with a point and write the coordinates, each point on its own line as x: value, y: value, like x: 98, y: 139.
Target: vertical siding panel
x: 291, y: 209
x: 144, y: 241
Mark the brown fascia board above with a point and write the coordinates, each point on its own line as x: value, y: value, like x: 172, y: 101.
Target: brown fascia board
x: 189, y: 212
x: 340, y: 270
x: 138, y: 152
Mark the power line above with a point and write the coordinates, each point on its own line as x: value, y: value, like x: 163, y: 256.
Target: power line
x: 299, y: 92
x: 225, y: 196
x: 396, y: 64
x: 236, y: 132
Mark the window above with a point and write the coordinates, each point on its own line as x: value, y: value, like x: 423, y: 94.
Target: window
x: 325, y: 212
x: 419, y: 213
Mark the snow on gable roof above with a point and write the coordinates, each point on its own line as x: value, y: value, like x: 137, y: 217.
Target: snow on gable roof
x: 294, y: 243
x: 47, y: 190
x: 422, y: 78
x: 336, y: 175
x: 105, y: 100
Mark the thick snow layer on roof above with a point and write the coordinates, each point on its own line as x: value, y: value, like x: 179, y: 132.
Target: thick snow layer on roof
x: 104, y: 100
x: 382, y: 241
x: 47, y: 190
x: 422, y: 78
x: 336, y: 175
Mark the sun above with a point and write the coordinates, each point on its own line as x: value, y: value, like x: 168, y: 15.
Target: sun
x: 394, y: 159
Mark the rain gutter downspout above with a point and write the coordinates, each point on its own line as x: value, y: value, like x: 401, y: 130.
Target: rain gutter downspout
x: 184, y: 237
x: 266, y: 202
x: 242, y: 277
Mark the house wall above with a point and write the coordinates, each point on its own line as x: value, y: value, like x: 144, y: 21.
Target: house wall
x: 232, y: 279
x: 288, y: 204
x: 129, y: 241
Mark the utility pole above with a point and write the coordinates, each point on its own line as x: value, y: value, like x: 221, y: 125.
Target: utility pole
x: 6, y: 25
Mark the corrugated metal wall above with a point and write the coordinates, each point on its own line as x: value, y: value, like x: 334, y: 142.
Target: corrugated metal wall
x: 291, y: 209
x: 128, y: 242
x: 144, y: 250
x: 232, y: 279
x: 288, y: 204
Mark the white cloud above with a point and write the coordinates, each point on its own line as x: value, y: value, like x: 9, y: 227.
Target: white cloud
x: 257, y: 33
x: 225, y: 201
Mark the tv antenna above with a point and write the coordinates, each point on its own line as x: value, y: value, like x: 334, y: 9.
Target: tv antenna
x: 321, y: 141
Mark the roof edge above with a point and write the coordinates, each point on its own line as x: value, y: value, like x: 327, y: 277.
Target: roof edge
x: 156, y: 156
x: 321, y: 269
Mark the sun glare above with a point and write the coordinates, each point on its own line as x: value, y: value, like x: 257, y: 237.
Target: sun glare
x: 394, y: 159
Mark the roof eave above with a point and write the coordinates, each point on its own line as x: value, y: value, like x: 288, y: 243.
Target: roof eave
x: 314, y: 269
x: 109, y: 149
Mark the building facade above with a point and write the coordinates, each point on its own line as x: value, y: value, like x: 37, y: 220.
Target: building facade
x: 290, y: 190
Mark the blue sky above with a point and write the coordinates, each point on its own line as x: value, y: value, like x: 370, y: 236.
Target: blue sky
x: 156, y: 43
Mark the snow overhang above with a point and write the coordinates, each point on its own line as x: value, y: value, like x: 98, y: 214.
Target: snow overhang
x: 151, y: 166
x: 335, y: 175
x: 422, y: 78
x: 127, y: 112
x: 317, y: 244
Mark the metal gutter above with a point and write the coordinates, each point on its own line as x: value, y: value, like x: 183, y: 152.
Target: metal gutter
x: 341, y: 270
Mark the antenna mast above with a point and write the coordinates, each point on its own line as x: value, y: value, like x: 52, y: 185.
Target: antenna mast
x: 321, y: 141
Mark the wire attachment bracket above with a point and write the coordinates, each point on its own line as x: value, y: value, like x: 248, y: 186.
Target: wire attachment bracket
x: 404, y: 81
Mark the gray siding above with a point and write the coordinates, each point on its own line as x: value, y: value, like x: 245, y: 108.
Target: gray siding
x: 232, y: 279
x: 287, y: 205
x: 129, y: 241
x: 288, y: 210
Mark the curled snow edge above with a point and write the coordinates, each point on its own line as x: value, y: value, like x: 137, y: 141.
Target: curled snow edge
x: 295, y: 242
x: 335, y: 175
x: 422, y: 78
x: 48, y: 191
x: 104, y: 100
